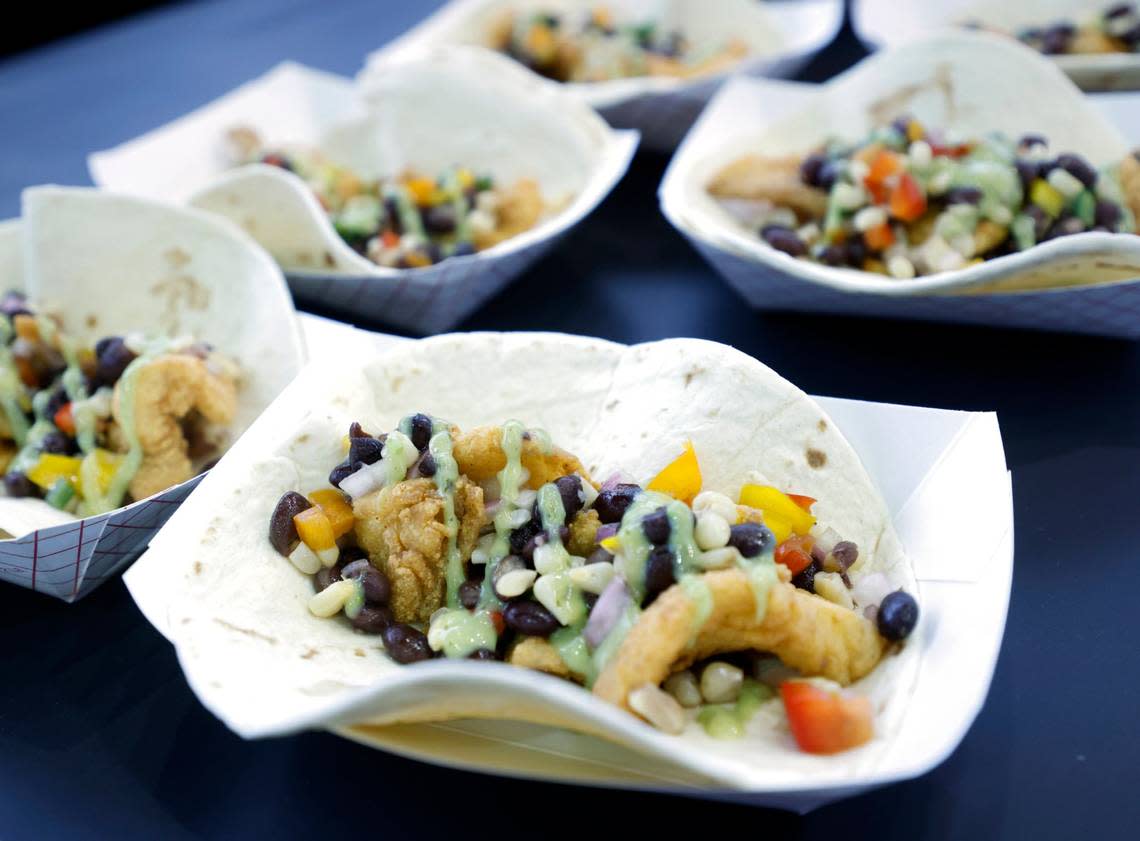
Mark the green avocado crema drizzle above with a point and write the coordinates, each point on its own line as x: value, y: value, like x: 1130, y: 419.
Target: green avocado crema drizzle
x: 510, y: 484
x: 727, y: 721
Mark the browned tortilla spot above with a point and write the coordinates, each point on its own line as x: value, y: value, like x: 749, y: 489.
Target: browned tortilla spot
x: 816, y: 458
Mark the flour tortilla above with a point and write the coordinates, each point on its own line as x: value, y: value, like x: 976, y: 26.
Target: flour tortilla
x: 108, y: 265
x: 237, y: 611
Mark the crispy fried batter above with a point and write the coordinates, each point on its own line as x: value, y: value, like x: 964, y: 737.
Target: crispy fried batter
x: 1130, y: 181
x: 584, y: 533
x: 167, y: 390
x: 401, y: 528
x: 774, y: 179
x: 480, y: 456
x: 805, y: 631
x: 538, y: 654
x: 519, y: 209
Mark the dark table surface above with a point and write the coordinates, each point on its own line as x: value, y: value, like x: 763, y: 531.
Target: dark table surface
x: 100, y: 736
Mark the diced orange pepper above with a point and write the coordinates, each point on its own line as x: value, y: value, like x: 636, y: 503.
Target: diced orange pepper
x: 390, y: 239
x: 315, y: 529
x: 804, y: 502
x: 336, y: 508
x: 681, y: 478
x: 65, y: 420
x: 498, y: 621
x: 880, y: 237
x: 885, y: 164
x: 26, y: 327
x: 422, y: 189
x: 868, y: 153
x: 27, y: 371
x: 914, y: 131
x: 908, y: 202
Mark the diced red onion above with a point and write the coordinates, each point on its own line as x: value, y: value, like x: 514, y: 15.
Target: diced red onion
x: 364, y: 481
x: 825, y: 538
x: 607, y: 612
x: 608, y: 530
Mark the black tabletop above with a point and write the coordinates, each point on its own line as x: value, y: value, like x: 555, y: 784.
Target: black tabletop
x: 100, y: 736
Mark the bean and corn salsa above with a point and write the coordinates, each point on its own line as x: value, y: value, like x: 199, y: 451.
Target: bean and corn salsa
x: 908, y: 201
x: 87, y: 428
x: 410, y: 220
x: 553, y: 575
x: 594, y: 47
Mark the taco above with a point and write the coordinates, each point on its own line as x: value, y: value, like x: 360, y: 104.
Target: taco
x: 909, y: 200
x: 594, y: 46
x: 1114, y: 28
x: 143, y: 341
x: 673, y: 526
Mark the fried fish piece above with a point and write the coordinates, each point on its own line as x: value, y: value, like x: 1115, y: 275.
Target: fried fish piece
x: 479, y: 454
x: 538, y: 654
x: 805, y: 631
x: 401, y: 528
x: 519, y: 208
x: 167, y: 391
x: 777, y: 180
x: 584, y: 533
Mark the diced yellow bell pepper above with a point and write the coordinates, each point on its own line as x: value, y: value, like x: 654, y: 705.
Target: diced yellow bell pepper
x: 1047, y: 197
x: 611, y: 544
x: 315, y: 529
x: 774, y: 503
x: 336, y: 508
x: 681, y: 478
x: 417, y: 260
x: 781, y: 529
x: 50, y: 467
x: 465, y: 178
x: 914, y: 131
x: 422, y: 190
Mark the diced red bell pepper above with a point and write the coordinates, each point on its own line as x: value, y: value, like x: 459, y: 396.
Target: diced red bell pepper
x: 908, y: 202
x: 498, y: 621
x: 795, y: 553
x: 826, y: 722
x: 804, y: 502
x: 65, y: 420
x: 880, y: 237
x: 390, y: 239
x: 956, y: 150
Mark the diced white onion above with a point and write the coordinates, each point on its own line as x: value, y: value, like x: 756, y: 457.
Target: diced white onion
x: 1064, y: 182
x: 900, y: 267
x: 593, y: 578
x: 305, y: 559
x: 329, y: 556
x: 712, y: 531
x: 830, y: 585
x: 657, y: 707
x: 365, y: 480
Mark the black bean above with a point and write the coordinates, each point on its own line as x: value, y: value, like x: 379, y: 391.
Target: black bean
x: 377, y: 590
x: 18, y: 484
x: 1079, y: 168
x: 345, y: 468
x: 751, y: 539
x: 1028, y: 141
x: 469, y: 592
x: 326, y: 576
x: 440, y: 219
x: 530, y: 618
x: 659, y: 575
x: 364, y: 450
x: 1066, y: 226
x: 846, y: 553
x: 963, y: 195
x: 1027, y: 171
x: 426, y: 465
x: 783, y: 239
x: 810, y: 168
x: 600, y: 556
x: 406, y: 644
x: 833, y: 255
x: 1108, y: 214
x: 612, y: 502
x: 1056, y: 38
x: 112, y: 358
x: 482, y: 654
x: 350, y: 554
x: 282, y: 531
x: 14, y: 303
x: 828, y: 175
x: 435, y: 253
x: 524, y: 535
x: 855, y: 252
x: 1118, y: 10
x: 372, y: 619
x: 1041, y: 220
x: 462, y: 249
x: 392, y: 215
x: 590, y: 599
x: 805, y: 580
x: 355, y: 430
x: 570, y: 489
x: 902, y: 124
x: 421, y: 431
x: 656, y: 527
x: 898, y: 614
x: 56, y: 442
x: 1131, y: 37
x: 57, y: 401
